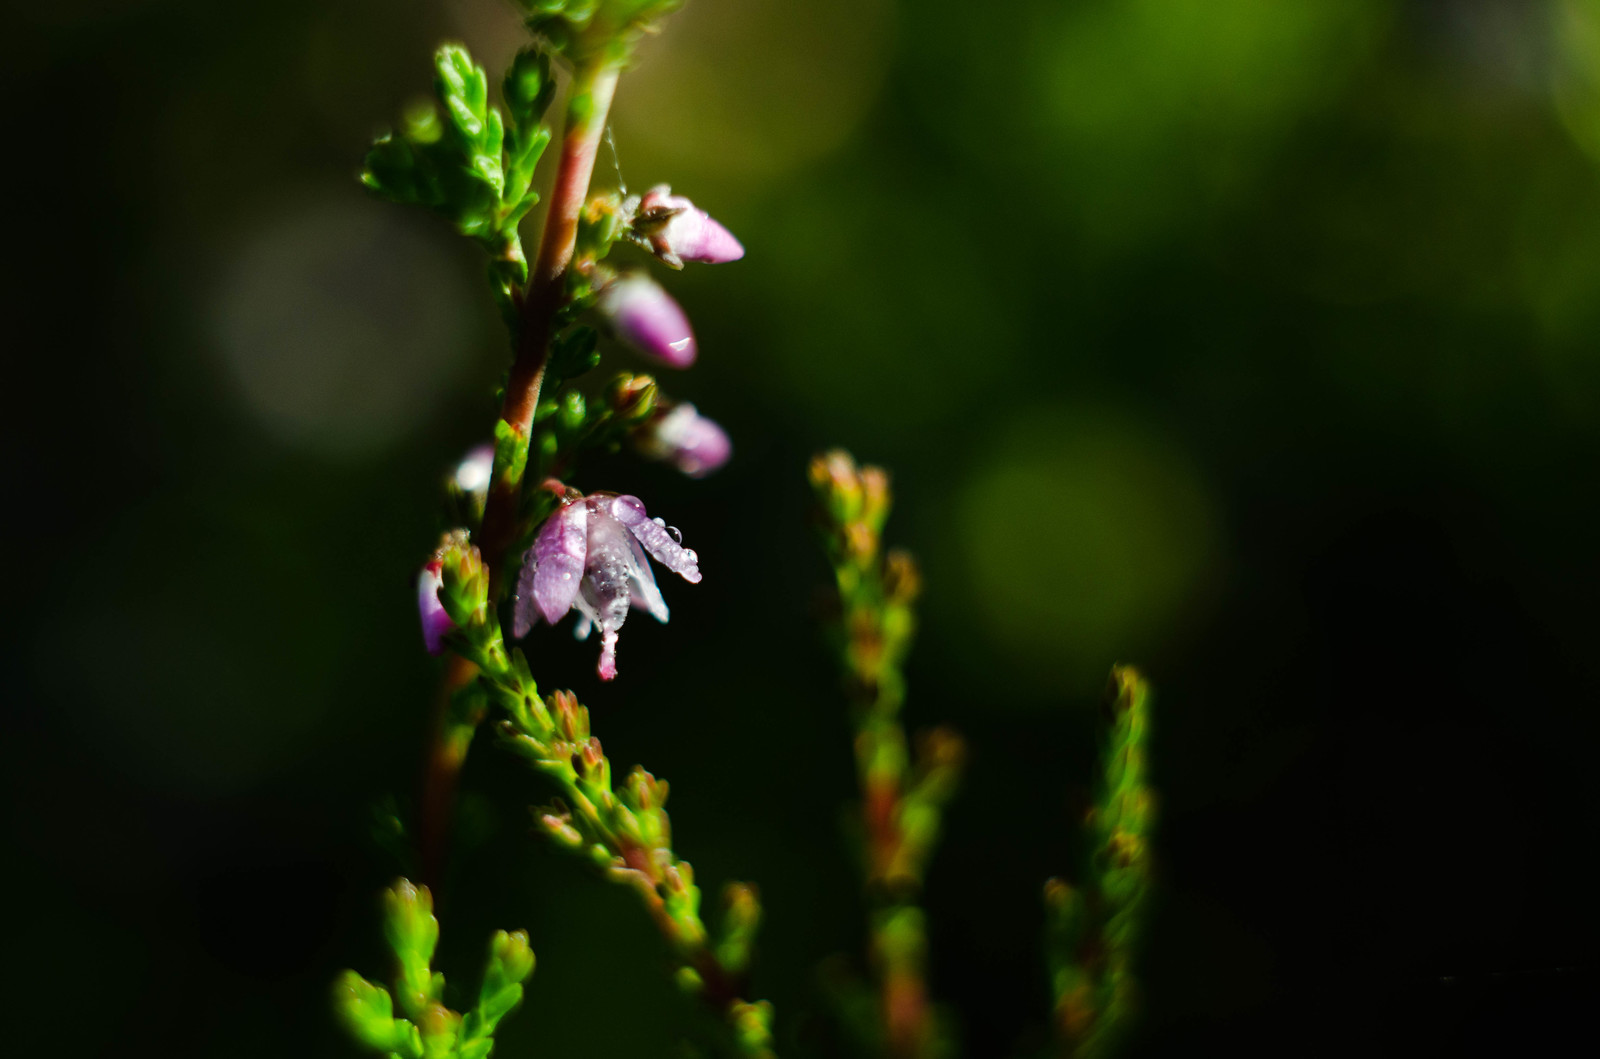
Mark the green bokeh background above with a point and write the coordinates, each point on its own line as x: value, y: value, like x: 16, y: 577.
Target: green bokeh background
x: 1255, y: 342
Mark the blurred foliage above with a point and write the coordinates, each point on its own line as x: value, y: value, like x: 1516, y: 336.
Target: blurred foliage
x: 1303, y: 294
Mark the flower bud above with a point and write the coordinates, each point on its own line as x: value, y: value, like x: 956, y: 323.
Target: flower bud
x: 631, y: 398
x: 677, y: 231
x: 686, y: 439
x: 644, y: 317
x: 435, y: 622
x: 409, y: 923
x: 471, y: 476
x: 464, y: 579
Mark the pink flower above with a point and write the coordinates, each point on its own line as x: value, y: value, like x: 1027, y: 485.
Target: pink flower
x: 644, y: 317
x: 435, y: 622
x: 677, y: 231
x: 686, y: 439
x: 590, y: 556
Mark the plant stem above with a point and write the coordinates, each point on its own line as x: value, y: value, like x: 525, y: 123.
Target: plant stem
x: 593, y: 87
x: 594, y: 83
x: 448, y: 743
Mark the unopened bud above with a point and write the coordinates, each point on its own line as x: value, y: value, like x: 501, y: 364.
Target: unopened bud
x: 572, y: 719
x: 632, y: 397
x: 648, y: 792
x: 368, y: 1014
x: 837, y: 485
x: 464, y: 588
x: 471, y: 476
x: 676, y: 230
x: 644, y: 317
x: 409, y: 922
x: 686, y: 439
x: 557, y: 823
x: 436, y: 624
x: 510, y: 960
x: 902, y: 581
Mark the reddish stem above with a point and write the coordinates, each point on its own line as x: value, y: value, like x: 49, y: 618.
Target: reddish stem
x: 592, y: 90
x: 593, y: 86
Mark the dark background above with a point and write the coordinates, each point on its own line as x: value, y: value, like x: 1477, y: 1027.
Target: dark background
x: 1252, y: 342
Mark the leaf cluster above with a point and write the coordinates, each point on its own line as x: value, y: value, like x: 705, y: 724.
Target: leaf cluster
x: 463, y: 158
x: 579, y: 29
x: 426, y: 1028
x: 623, y: 830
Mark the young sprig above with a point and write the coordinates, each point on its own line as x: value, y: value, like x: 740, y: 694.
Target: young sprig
x: 465, y: 160
x: 471, y: 161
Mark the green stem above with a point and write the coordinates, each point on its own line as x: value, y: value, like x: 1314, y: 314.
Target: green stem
x: 624, y: 831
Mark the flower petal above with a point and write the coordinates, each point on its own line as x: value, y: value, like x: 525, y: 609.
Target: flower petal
x: 523, y: 614
x: 559, y: 553
x: 642, y: 580
x: 629, y: 510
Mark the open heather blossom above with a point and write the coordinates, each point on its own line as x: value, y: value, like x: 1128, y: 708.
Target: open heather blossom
x: 676, y: 230
x: 686, y: 439
x: 644, y: 317
x: 590, y: 555
x: 435, y: 622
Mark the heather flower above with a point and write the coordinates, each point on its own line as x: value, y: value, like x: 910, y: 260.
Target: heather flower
x: 686, y: 439
x: 676, y: 230
x: 435, y: 622
x: 590, y: 556
x: 644, y: 317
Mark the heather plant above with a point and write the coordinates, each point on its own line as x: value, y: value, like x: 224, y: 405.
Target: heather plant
x: 528, y: 548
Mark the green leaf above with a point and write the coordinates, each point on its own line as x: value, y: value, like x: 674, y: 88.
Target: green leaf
x: 528, y: 87
x: 573, y: 353
x: 463, y: 89
x: 367, y: 1013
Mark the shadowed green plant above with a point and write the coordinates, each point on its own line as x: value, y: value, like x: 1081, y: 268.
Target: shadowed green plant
x: 1094, y: 930
x: 902, y: 797
x: 528, y: 549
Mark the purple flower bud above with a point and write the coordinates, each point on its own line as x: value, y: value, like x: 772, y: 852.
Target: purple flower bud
x: 678, y: 231
x: 686, y: 439
x: 435, y: 622
x: 590, y: 557
x: 645, y: 318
